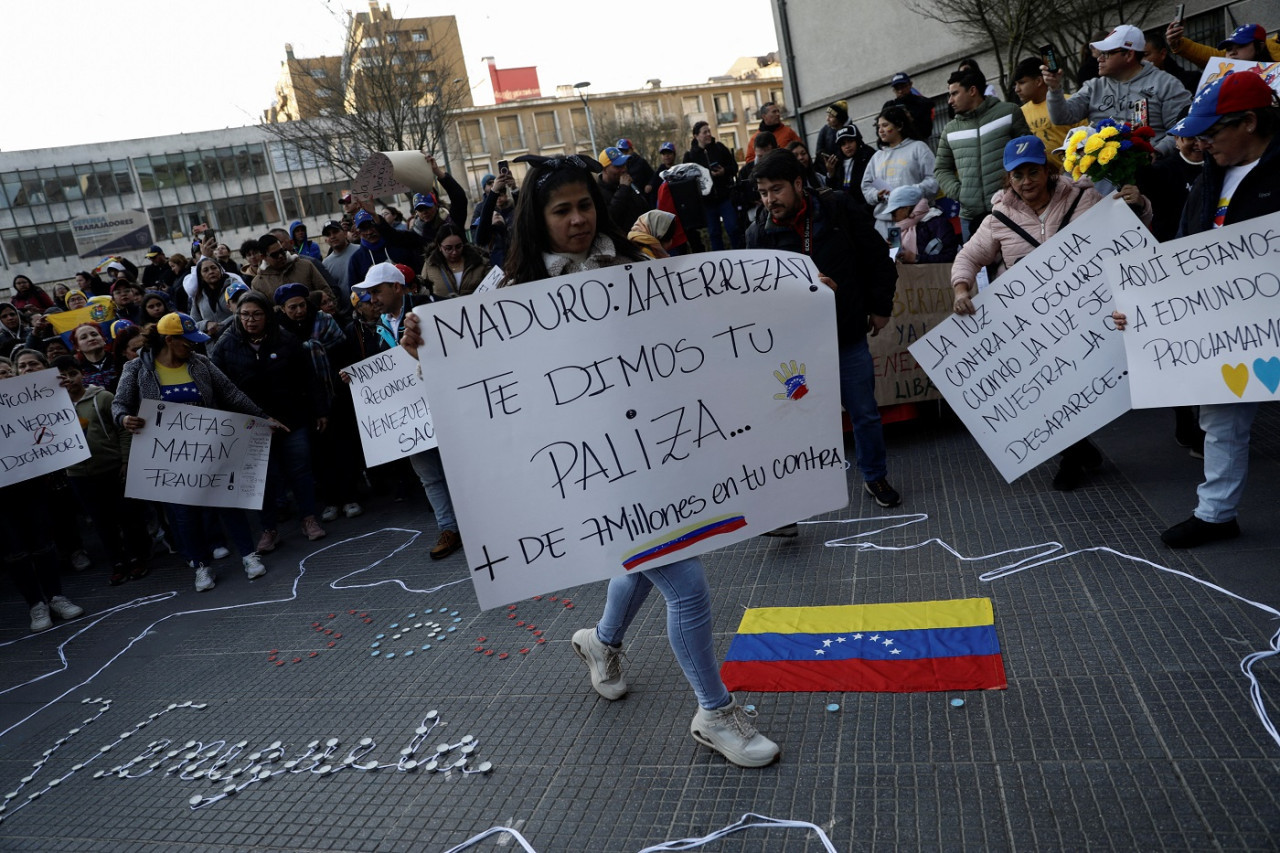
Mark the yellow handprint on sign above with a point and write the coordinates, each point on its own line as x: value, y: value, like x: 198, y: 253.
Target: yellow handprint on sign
x: 792, y: 378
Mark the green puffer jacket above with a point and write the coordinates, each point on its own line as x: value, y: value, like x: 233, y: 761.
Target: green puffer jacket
x: 970, y: 161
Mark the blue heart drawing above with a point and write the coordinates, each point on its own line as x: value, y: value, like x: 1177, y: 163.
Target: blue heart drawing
x: 1268, y: 372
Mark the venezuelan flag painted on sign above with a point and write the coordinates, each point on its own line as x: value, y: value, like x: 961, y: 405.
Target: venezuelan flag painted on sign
x: 881, y: 648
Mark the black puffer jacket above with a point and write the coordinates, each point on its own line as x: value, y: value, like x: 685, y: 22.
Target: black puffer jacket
x: 715, y: 154
x: 277, y: 375
x: 1257, y: 195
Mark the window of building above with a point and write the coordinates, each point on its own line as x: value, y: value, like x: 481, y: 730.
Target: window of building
x: 691, y: 104
x: 425, y: 57
x: 368, y: 42
x: 427, y: 76
x: 471, y: 132
x: 548, y: 127
x: 624, y: 113
x: 750, y: 102
x: 651, y: 110
x: 729, y: 138
x: 510, y: 135
x: 419, y: 35
x: 578, y: 124
x: 38, y: 243
x: 723, y: 103
x: 775, y: 95
x: 318, y: 72
x: 393, y: 38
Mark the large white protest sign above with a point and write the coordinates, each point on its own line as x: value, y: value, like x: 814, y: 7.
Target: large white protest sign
x: 39, y: 430
x: 1220, y: 66
x: 391, y: 407
x: 1203, y: 316
x: 1040, y: 366
x: 619, y: 419
x: 198, y: 456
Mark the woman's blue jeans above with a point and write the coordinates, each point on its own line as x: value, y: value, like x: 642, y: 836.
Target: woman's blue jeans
x: 684, y: 586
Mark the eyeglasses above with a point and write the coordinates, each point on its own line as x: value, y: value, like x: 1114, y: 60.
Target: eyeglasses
x: 1209, y: 135
x: 252, y: 315
x: 451, y: 247
x: 279, y: 253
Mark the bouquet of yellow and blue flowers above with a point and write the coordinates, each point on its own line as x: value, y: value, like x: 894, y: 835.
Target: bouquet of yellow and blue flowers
x: 1113, y: 152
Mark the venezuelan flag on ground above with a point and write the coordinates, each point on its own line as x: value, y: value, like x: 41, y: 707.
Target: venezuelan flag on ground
x: 882, y: 648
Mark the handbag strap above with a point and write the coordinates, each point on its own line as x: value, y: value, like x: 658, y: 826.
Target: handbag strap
x: 1018, y: 229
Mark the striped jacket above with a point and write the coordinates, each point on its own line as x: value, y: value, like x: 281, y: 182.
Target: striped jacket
x: 970, y: 162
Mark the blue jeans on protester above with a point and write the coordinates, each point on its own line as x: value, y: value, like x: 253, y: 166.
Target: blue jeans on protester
x: 684, y: 586
x: 290, y: 461
x: 193, y: 541
x: 430, y: 471
x: 858, y: 396
x: 716, y: 211
x: 1226, y: 459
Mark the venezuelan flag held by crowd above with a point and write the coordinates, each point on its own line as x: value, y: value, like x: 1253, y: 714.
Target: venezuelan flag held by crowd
x: 885, y: 648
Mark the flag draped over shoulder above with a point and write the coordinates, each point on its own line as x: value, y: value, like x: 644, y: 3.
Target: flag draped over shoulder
x: 884, y: 648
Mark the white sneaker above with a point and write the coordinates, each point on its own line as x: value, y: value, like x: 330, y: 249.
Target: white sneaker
x: 62, y: 606
x: 221, y: 552
x: 204, y: 577
x: 253, y: 567
x: 604, y: 663
x: 729, y: 731
x: 80, y: 561
x: 352, y: 509
x: 40, y: 619
x: 330, y: 513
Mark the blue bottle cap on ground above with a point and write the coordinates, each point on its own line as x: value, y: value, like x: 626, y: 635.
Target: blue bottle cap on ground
x: 374, y: 653
x: 957, y: 703
x: 833, y: 707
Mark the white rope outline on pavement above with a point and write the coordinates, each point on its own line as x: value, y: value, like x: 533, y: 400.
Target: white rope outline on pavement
x: 96, y: 618
x: 750, y: 820
x: 1052, y: 552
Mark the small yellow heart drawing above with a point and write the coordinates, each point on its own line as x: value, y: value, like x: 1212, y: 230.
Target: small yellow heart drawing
x: 1237, y: 377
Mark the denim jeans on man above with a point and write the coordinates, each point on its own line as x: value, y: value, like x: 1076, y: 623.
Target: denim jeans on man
x: 858, y: 395
x: 716, y: 211
x: 1226, y: 459
x: 290, y: 462
x: 430, y: 471
x: 684, y: 586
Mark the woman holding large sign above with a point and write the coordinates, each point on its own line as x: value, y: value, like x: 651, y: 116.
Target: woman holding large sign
x: 171, y: 371
x: 1036, y: 203
x: 562, y: 226
x: 1236, y: 120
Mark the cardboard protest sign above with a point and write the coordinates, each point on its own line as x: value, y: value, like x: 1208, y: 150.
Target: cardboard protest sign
x: 391, y: 407
x: 198, y: 456
x: 1220, y: 66
x: 39, y: 430
x: 394, y: 172
x: 490, y: 281
x: 1203, y: 316
x: 1040, y: 366
x: 618, y: 419
x: 922, y: 300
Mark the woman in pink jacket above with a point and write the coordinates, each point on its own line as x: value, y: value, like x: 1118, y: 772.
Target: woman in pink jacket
x: 1036, y: 202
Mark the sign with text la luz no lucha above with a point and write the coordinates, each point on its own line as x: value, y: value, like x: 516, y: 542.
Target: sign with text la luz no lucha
x: 619, y: 419
x: 1040, y: 365
x: 1203, y: 316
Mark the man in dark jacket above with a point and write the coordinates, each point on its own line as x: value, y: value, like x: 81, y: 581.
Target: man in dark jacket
x: 380, y: 243
x: 837, y: 233
x: 624, y: 199
x: 707, y: 151
x: 642, y: 174
x: 917, y: 106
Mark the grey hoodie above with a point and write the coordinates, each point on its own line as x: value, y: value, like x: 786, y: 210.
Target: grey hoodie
x: 1106, y: 97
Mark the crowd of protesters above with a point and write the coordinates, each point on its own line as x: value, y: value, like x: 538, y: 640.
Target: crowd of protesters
x: 268, y: 335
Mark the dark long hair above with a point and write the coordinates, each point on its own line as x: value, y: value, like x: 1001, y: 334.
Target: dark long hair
x: 530, y: 238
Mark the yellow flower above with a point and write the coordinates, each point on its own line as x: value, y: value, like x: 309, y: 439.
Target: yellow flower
x: 1108, y: 132
x: 1094, y: 143
x: 1106, y: 155
x: 1087, y: 163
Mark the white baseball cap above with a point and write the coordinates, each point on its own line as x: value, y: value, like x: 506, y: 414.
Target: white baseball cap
x: 1123, y: 37
x: 383, y: 273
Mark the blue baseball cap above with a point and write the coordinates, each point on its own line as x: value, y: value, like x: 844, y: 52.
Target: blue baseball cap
x: 612, y: 156
x: 363, y: 217
x: 668, y: 146
x: 900, y: 79
x: 1233, y: 93
x: 1247, y: 34
x: 421, y: 200
x: 1022, y: 150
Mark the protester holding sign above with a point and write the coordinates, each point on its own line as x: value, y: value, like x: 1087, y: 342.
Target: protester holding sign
x: 1035, y: 204
x: 563, y: 226
x: 1237, y: 123
x: 169, y: 370
x: 269, y: 365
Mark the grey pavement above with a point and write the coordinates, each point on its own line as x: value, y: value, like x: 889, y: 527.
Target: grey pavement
x: 1127, y: 723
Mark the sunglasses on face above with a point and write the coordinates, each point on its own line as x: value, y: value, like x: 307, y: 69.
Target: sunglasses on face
x: 278, y: 253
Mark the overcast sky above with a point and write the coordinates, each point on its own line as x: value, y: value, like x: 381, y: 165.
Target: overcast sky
x: 82, y: 71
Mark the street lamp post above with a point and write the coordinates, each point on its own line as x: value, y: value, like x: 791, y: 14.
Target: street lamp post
x: 591, y: 126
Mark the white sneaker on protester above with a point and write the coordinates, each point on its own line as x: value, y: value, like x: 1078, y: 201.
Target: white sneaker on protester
x: 204, y: 577
x: 330, y: 513
x: 729, y: 731
x: 64, y: 607
x: 604, y: 663
x: 253, y: 567
x: 352, y: 509
x: 40, y: 619
x: 221, y: 552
